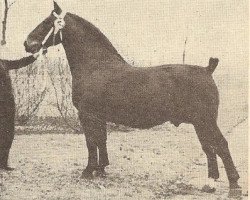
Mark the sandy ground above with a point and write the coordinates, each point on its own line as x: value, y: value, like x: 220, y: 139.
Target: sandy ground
x: 160, y: 163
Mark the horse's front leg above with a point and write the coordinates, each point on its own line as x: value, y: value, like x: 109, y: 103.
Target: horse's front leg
x: 96, y: 137
x: 92, y: 157
x: 89, y: 129
x: 102, y: 146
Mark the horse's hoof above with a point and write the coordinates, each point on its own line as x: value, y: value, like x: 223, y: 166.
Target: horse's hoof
x: 87, y: 174
x: 234, y: 185
x: 235, y: 193
x: 101, y: 173
x: 6, y: 168
x: 209, y: 186
x: 208, y: 189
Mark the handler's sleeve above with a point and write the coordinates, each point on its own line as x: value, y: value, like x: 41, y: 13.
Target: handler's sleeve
x: 16, y: 64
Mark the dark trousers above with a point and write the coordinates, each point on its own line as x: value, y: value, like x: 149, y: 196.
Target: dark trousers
x: 7, y: 117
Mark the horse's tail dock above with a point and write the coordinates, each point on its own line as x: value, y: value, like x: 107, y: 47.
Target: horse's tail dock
x: 213, y: 62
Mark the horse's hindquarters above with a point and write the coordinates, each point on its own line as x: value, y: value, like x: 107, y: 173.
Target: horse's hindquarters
x: 161, y: 97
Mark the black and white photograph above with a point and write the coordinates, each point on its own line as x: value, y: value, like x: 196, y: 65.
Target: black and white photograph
x: 124, y: 100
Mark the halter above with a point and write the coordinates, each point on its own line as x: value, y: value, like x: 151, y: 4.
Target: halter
x: 59, y: 24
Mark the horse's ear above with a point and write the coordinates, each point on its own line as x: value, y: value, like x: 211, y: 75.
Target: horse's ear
x: 57, y: 9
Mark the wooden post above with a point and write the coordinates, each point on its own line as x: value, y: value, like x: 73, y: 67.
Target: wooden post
x: 184, y: 51
x: 4, y: 22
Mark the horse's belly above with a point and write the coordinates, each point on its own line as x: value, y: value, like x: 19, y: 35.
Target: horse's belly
x: 138, y: 117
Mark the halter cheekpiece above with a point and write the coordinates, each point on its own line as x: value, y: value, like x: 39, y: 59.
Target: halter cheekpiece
x: 59, y: 24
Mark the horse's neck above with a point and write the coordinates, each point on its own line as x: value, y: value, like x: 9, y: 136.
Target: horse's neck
x: 85, y: 56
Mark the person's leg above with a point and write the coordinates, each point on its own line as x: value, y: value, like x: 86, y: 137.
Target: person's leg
x: 7, y: 115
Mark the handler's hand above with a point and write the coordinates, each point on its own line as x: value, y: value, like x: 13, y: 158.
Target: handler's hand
x: 37, y: 54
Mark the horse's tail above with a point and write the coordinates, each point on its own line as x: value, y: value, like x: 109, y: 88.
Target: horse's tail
x: 213, y: 62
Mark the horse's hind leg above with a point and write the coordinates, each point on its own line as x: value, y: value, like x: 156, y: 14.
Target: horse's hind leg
x: 213, y: 137
x: 206, y: 143
x: 222, y: 150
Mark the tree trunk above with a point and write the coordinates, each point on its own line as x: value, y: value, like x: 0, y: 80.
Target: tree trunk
x: 4, y: 22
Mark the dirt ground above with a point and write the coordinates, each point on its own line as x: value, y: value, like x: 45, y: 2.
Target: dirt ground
x: 160, y: 163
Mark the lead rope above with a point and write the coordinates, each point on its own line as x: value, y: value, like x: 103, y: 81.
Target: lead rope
x: 59, y: 24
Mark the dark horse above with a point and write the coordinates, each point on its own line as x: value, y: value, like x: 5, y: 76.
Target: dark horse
x: 107, y: 89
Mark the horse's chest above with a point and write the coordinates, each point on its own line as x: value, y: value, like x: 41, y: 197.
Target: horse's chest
x: 88, y: 95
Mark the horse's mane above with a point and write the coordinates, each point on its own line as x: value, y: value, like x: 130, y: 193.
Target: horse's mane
x: 93, y: 30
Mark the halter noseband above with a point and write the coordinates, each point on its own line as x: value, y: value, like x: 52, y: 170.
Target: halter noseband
x: 59, y: 24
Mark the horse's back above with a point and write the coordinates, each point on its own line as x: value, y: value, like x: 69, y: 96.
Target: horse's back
x: 145, y: 97
x: 151, y: 96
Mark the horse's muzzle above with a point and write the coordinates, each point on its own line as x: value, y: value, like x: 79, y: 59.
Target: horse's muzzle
x: 32, y: 47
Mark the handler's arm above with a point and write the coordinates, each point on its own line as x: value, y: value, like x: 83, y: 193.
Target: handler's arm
x: 16, y: 64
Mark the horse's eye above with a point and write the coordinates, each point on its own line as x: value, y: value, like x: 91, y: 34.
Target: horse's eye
x: 48, y: 22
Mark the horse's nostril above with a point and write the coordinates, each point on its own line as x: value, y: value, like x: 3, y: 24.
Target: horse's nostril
x: 32, y: 45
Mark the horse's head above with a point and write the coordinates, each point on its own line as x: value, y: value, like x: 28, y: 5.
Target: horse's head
x: 47, y: 33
